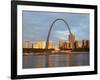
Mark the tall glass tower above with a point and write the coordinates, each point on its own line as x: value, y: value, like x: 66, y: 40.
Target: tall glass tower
x: 71, y: 39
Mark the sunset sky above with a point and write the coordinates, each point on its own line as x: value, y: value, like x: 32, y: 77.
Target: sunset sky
x: 35, y: 25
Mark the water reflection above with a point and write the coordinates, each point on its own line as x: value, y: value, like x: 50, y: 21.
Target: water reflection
x: 55, y: 60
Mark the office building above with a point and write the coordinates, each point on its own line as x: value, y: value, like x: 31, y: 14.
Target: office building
x: 39, y: 45
x: 67, y: 45
x: 87, y: 43
x: 77, y: 44
x: 71, y: 39
x: 61, y: 44
x: 26, y: 44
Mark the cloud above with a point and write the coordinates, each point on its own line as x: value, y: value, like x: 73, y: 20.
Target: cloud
x: 36, y: 25
x: 61, y: 34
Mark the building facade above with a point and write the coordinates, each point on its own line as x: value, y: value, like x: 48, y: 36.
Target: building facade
x: 71, y: 39
x: 26, y: 44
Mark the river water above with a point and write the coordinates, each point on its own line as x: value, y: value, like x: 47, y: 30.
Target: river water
x: 56, y: 60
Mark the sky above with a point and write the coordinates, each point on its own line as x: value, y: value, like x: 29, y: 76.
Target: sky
x: 36, y: 24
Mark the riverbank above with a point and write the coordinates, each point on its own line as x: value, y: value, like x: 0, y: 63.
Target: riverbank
x: 56, y: 52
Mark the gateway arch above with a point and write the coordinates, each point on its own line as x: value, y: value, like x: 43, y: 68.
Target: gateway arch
x: 49, y: 32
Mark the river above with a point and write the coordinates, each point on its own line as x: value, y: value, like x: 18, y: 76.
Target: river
x: 56, y: 60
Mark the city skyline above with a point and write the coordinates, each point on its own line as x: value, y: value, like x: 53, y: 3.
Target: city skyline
x: 36, y: 29
x: 44, y: 42
x: 71, y: 44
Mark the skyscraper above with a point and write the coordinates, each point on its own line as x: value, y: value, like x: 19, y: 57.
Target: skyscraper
x: 26, y: 44
x: 77, y: 44
x: 85, y: 43
x: 71, y: 39
x: 67, y: 45
x: 61, y: 44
